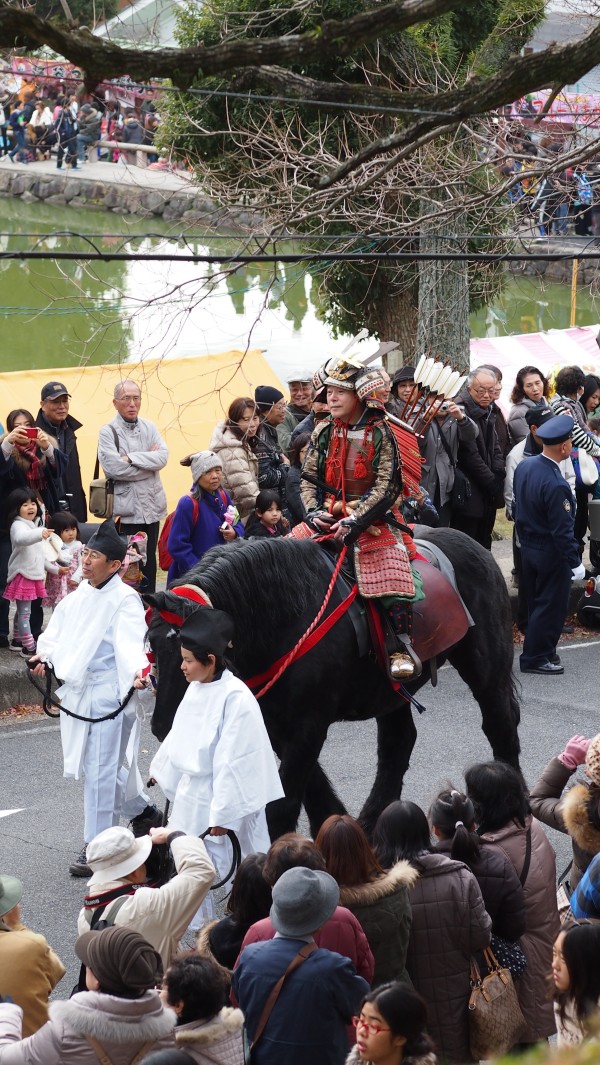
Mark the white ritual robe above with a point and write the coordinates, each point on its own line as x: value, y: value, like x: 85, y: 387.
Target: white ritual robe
x: 217, y: 766
x: 95, y: 643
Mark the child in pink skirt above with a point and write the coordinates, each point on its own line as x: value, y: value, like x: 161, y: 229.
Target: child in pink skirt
x: 59, y: 575
x: 26, y: 565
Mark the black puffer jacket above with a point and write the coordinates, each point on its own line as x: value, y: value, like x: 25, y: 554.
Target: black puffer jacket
x: 481, y: 460
x: 566, y: 813
x: 503, y: 896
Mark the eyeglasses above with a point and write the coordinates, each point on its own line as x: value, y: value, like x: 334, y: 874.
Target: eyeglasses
x: 373, y: 1029
x: 483, y: 391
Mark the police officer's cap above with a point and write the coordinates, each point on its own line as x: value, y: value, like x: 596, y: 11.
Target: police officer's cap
x: 207, y: 631
x: 556, y: 430
x: 539, y: 414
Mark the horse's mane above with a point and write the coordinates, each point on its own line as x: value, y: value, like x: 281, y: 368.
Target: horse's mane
x: 263, y: 584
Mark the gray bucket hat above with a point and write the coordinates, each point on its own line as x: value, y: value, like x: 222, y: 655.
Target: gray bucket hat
x: 11, y: 892
x: 303, y: 901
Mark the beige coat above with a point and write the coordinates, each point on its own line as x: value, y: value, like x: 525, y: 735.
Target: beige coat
x: 161, y: 915
x: 541, y: 914
x: 122, y: 1026
x: 214, y: 1042
x: 240, y: 468
x: 29, y: 971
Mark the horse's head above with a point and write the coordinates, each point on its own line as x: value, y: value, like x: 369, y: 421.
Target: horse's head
x: 165, y: 614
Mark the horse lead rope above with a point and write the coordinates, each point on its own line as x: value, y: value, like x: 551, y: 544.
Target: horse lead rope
x: 48, y: 700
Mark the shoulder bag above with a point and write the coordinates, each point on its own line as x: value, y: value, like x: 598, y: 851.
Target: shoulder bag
x: 496, y: 1022
x: 102, y: 489
x: 461, y: 489
x: 302, y: 955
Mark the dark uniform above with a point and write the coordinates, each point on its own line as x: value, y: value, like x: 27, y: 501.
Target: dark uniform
x: 544, y: 516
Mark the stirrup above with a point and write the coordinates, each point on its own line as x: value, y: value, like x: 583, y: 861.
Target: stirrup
x: 406, y: 663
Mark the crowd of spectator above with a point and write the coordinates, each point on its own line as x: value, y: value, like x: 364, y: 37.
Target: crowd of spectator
x: 35, y: 126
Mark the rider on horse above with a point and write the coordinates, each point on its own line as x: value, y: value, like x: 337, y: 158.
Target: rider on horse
x: 353, y: 481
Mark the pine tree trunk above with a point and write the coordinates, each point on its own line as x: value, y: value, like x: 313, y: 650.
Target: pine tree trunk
x: 443, y: 314
x: 395, y: 318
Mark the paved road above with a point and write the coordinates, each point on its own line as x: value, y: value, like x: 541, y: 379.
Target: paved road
x: 38, y: 843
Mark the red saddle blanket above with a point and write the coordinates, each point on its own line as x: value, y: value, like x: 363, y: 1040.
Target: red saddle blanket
x: 439, y: 620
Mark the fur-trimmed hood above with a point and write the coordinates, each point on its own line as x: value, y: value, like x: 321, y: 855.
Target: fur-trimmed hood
x: 204, y: 1033
x: 400, y: 875
x: 115, y: 1020
x: 203, y: 946
x: 575, y: 812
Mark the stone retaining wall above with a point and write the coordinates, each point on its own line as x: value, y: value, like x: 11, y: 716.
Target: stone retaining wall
x: 562, y: 271
x: 171, y: 204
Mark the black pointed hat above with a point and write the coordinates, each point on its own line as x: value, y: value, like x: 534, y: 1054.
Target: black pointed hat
x: 207, y: 631
x: 107, y: 541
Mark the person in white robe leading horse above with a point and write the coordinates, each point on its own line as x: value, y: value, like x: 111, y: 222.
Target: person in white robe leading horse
x: 217, y: 765
x: 95, y: 643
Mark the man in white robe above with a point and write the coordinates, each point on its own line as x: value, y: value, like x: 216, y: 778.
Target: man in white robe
x: 95, y: 644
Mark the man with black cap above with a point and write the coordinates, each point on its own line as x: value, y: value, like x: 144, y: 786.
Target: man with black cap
x: 526, y: 449
x: 54, y: 418
x: 272, y: 463
x: 95, y: 642
x: 544, y: 516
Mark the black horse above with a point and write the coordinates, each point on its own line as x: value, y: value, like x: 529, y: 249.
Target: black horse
x: 273, y: 590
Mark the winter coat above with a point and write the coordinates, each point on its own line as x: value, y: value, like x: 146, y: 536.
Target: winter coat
x: 27, y: 555
x: 503, y: 895
x: 293, y: 496
x: 161, y: 915
x: 449, y: 925
x: 14, y: 466
x: 29, y: 971
x: 293, y: 417
x: 582, y: 437
x: 240, y: 468
x: 502, y: 431
x: 256, y: 530
x: 526, y: 449
x: 272, y: 470
x: 123, y: 1026
x: 89, y: 124
x: 423, y: 1059
x: 437, y: 469
x: 69, y: 484
x: 217, y: 1041
x: 189, y: 540
x: 341, y: 933
x: 139, y: 494
x: 566, y: 813
x: 543, y: 924
x: 480, y: 459
x: 518, y: 428
x: 316, y: 1002
x: 133, y: 132
x: 383, y: 909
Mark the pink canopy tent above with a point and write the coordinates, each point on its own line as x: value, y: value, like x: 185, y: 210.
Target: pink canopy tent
x: 548, y: 351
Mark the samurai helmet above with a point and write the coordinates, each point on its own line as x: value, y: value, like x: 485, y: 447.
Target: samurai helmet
x: 342, y: 372
x: 366, y: 384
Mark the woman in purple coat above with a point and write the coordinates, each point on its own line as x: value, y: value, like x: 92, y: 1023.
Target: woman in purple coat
x: 204, y: 518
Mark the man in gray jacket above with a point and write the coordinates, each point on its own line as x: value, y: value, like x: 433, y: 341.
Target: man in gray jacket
x: 440, y: 449
x: 132, y: 452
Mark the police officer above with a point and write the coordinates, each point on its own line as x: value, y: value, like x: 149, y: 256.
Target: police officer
x: 544, y: 516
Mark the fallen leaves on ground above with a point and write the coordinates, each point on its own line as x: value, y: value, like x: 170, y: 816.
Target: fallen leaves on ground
x: 21, y: 710
x: 579, y: 632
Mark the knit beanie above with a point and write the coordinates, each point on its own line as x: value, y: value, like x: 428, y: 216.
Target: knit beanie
x: 265, y: 396
x: 202, y: 462
x: 122, y: 961
x: 592, y: 760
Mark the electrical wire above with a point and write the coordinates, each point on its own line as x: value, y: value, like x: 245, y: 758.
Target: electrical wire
x: 303, y: 258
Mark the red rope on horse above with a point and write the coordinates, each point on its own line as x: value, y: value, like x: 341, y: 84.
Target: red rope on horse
x: 290, y: 658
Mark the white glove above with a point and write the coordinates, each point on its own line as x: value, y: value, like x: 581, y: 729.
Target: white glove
x: 578, y: 572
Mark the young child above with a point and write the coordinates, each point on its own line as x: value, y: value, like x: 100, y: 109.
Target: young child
x: 59, y: 574
x: 217, y: 766
x: 26, y: 565
x: 267, y: 519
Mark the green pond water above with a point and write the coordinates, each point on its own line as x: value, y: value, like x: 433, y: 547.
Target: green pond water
x: 66, y: 313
